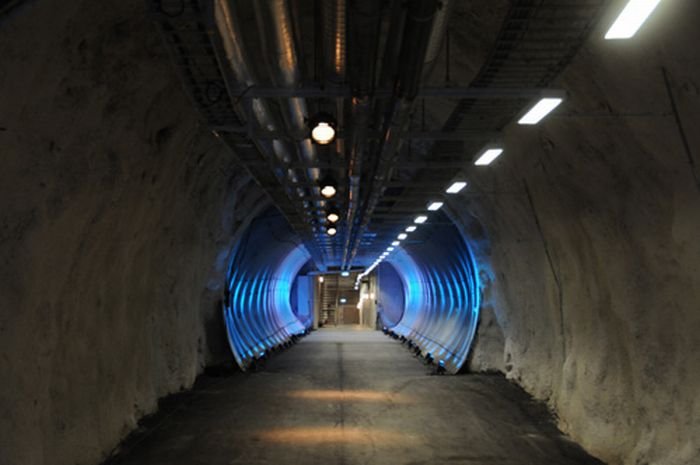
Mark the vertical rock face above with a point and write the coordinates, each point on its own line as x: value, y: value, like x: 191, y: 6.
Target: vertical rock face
x: 116, y: 213
x: 592, y: 223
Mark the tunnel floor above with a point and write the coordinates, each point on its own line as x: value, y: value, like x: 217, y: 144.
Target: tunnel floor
x: 351, y: 397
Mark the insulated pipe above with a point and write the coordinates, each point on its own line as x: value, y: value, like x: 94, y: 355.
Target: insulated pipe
x: 361, y: 108
x: 437, y: 36
x: 366, y: 22
x: 333, y: 13
x: 275, y: 24
x: 232, y: 38
x: 392, y: 50
x: 417, y: 34
x: 333, y: 17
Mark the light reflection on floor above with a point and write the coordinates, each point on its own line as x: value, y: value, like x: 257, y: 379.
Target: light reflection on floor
x: 332, y: 435
x: 354, y: 398
x: 351, y: 396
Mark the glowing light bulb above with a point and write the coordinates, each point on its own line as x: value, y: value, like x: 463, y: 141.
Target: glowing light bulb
x: 328, y: 191
x: 323, y: 133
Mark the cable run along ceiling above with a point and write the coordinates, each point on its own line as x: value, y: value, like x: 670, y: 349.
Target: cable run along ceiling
x: 261, y: 71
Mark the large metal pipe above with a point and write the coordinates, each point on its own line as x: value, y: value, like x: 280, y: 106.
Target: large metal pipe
x: 437, y: 36
x: 231, y: 34
x: 417, y: 33
x: 333, y: 13
x: 366, y: 21
x: 274, y: 18
x: 333, y: 43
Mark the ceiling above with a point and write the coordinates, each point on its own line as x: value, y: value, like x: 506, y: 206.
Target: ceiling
x: 417, y: 89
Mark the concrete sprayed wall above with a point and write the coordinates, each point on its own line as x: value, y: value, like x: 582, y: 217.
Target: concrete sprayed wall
x: 587, y: 233
x: 117, y: 211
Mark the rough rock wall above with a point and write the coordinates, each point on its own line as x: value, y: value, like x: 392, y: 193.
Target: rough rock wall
x: 587, y: 231
x: 116, y: 214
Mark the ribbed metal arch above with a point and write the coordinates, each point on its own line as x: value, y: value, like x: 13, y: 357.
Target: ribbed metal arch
x: 442, y: 295
x: 257, y: 308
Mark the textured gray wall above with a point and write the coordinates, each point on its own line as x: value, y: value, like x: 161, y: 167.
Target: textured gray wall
x: 116, y: 214
x: 597, y: 309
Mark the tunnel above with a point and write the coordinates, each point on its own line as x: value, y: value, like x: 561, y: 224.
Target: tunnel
x: 431, y: 294
x: 349, y: 231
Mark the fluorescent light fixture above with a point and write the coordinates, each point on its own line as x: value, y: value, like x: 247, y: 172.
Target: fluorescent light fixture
x: 411, y: 228
x: 402, y: 236
x: 345, y: 274
x: 331, y: 231
x: 435, y: 206
x: 420, y: 219
x: 631, y: 19
x: 488, y: 156
x: 456, y: 187
x: 541, y: 109
x: 395, y: 243
x: 389, y: 249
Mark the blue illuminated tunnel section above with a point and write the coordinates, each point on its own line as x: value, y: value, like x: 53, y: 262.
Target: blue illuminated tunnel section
x: 390, y: 295
x: 257, y: 308
x: 441, y: 293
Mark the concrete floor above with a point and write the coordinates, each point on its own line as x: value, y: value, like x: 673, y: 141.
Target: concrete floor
x: 347, y: 396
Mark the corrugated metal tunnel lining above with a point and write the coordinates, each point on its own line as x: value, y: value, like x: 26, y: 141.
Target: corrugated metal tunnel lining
x: 439, y: 287
x: 442, y: 294
x: 258, y: 308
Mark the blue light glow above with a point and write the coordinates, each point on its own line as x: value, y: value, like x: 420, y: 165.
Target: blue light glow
x: 257, y: 309
x: 434, y: 285
x: 441, y: 295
